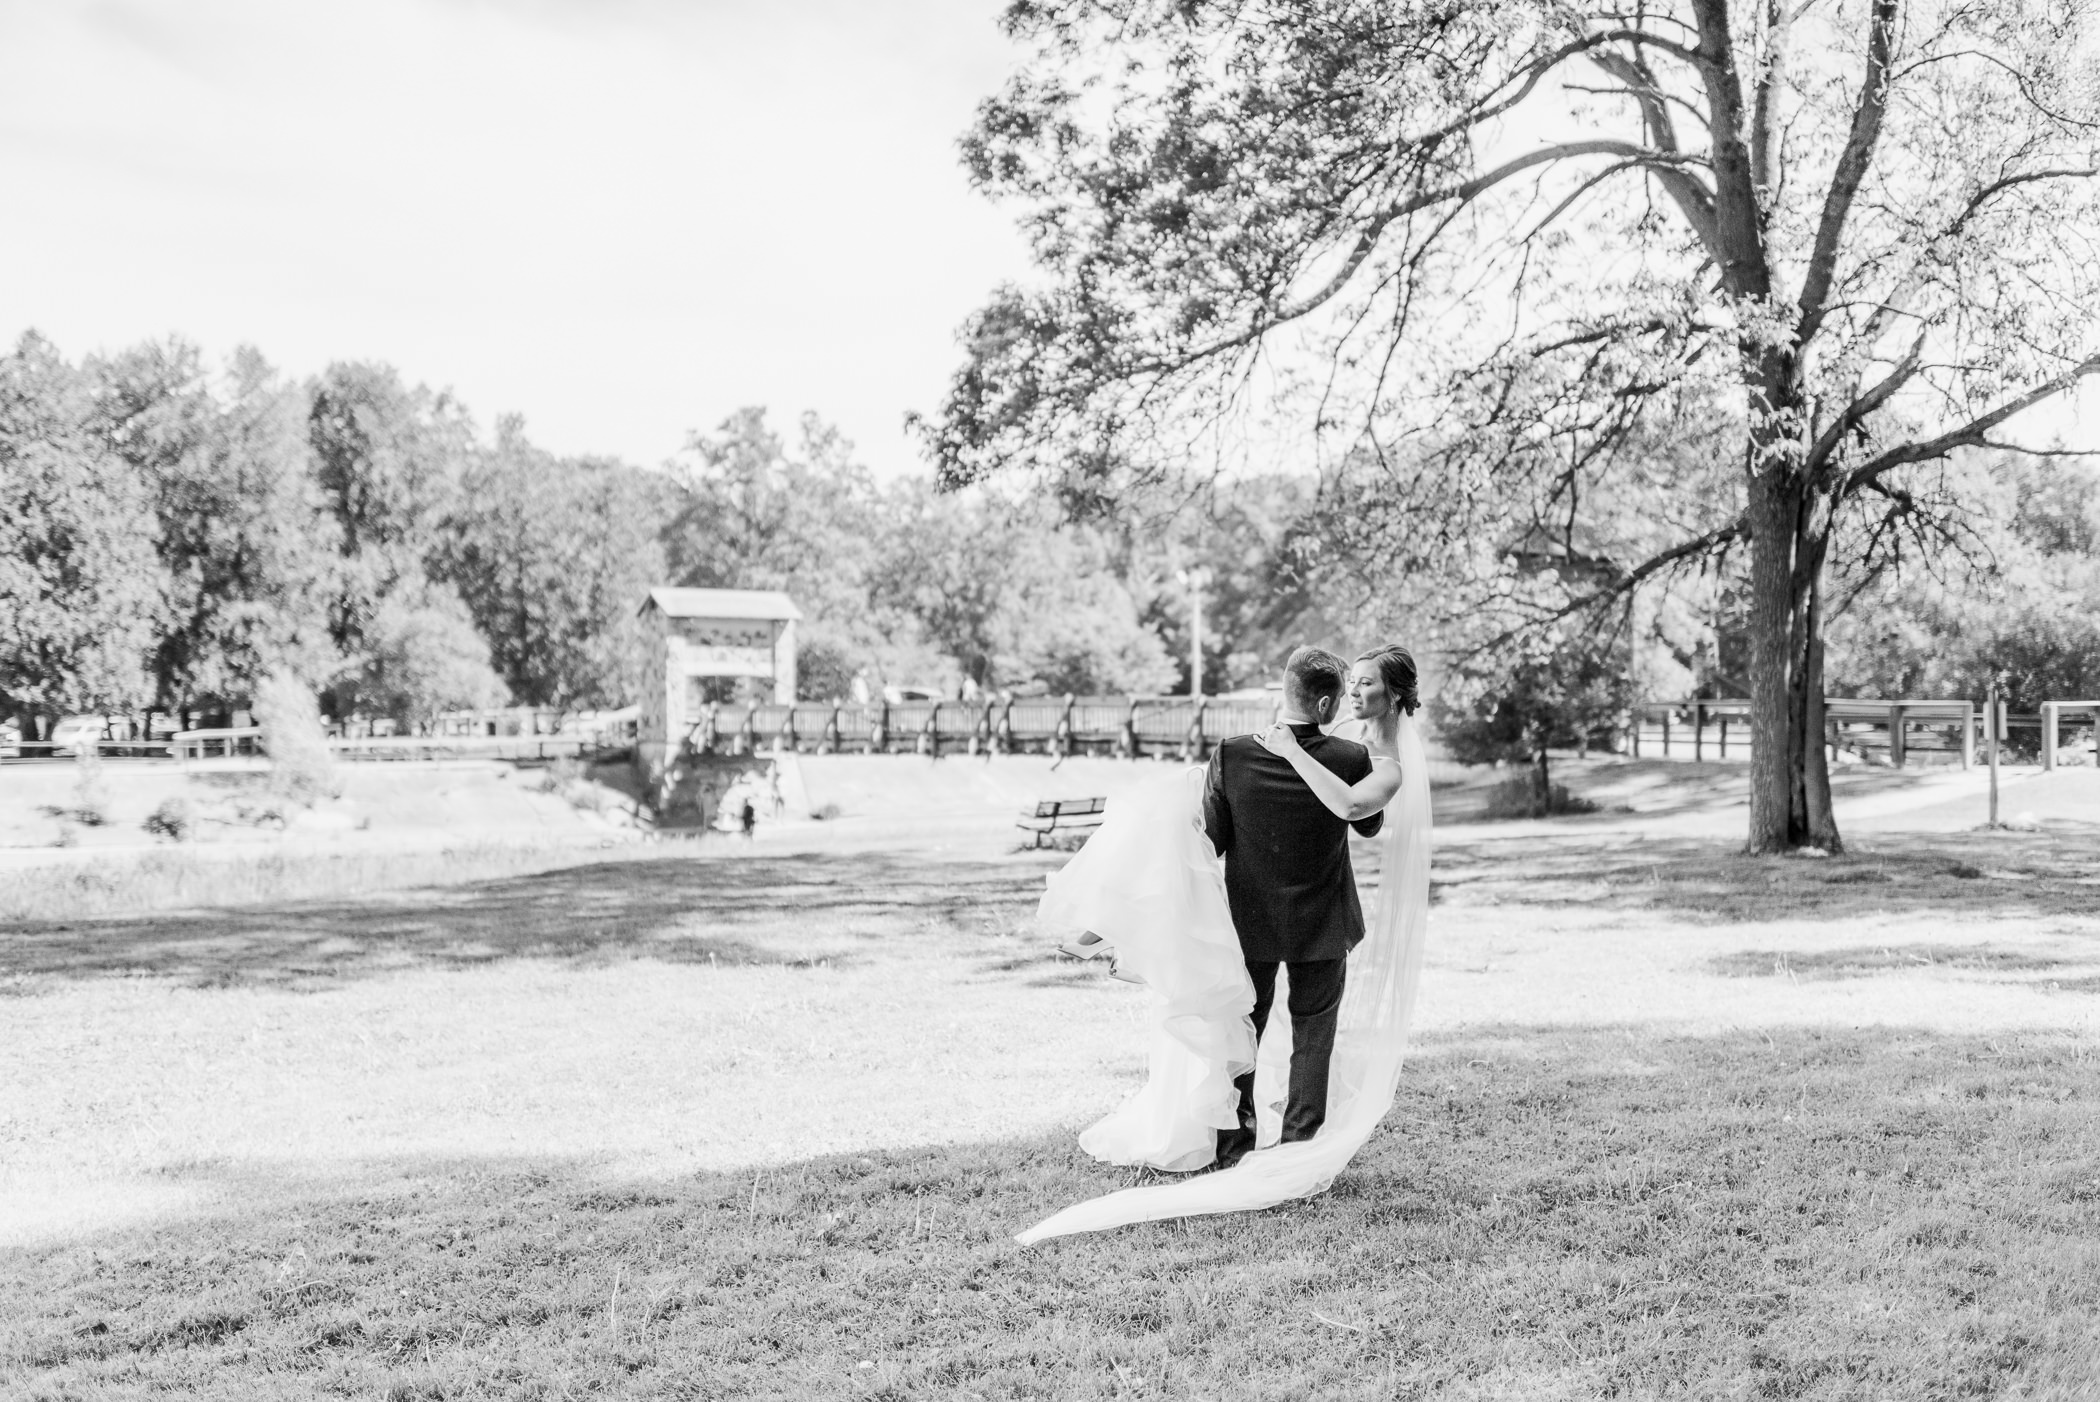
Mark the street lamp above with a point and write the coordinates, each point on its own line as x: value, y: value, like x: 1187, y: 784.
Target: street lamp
x: 1195, y: 581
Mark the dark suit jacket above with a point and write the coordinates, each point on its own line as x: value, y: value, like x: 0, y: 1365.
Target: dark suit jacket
x: 1287, y: 871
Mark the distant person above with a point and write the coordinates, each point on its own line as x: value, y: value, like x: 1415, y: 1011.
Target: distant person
x: 748, y: 816
x: 773, y: 793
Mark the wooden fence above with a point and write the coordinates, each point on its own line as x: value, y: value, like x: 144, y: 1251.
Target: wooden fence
x: 2051, y: 721
x: 248, y: 740
x: 1895, y: 729
x: 1126, y: 726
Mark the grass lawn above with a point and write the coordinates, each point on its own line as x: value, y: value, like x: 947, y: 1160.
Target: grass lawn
x: 1680, y: 1125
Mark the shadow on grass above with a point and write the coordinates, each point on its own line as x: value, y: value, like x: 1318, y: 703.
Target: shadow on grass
x: 788, y: 910
x: 1868, y: 960
x: 1546, y: 1214
x: 2054, y: 871
x: 1654, y: 788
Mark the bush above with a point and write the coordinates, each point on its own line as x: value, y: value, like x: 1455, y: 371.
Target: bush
x: 173, y: 819
x: 424, y: 656
x: 302, y: 771
x: 560, y: 774
x: 1518, y: 797
x: 90, y: 799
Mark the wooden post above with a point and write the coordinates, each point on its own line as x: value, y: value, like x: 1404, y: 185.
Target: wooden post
x: 1636, y: 730
x: 2049, y: 716
x: 1993, y: 725
x: 1896, y: 736
x: 1698, y: 730
x: 1968, y: 734
x: 1724, y: 735
x: 1666, y: 732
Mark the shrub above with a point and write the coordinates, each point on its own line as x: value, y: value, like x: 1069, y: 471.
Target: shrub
x: 90, y: 799
x: 560, y: 774
x: 1518, y: 797
x: 302, y: 771
x: 173, y: 819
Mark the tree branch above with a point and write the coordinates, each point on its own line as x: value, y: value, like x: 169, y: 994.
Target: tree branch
x: 1856, y: 412
x: 1764, y: 143
x: 1897, y: 302
x: 1462, y: 193
x: 1739, y: 225
x: 1677, y: 554
x: 1851, y: 169
x: 1973, y: 434
x: 1691, y: 198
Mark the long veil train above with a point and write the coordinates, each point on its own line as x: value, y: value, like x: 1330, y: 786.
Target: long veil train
x: 1159, y: 896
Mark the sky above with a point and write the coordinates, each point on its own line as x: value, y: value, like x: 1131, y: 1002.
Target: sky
x: 623, y: 219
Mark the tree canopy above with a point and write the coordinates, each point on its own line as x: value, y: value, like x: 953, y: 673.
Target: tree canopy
x: 1486, y: 264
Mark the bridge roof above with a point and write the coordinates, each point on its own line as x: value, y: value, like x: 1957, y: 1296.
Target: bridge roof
x: 724, y: 603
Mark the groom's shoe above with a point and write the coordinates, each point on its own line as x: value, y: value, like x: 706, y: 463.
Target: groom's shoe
x: 1234, y: 1145
x: 1086, y: 946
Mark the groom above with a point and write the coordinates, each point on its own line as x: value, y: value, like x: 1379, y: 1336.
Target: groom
x: 1288, y: 879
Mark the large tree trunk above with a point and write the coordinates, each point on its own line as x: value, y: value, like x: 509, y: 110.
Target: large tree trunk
x: 1789, y: 769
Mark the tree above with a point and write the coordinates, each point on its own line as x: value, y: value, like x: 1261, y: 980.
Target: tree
x: 1265, y: 590
x: 753, y: 512
x: 553, y: 557
x: 1516, y: 704
x: 421, y: 657
x: 1009, y: 599
x: 2023, y: 601
x: 243, y: 534
x: 388, y: 459
x: 81, y: 593
x: 1837, y: 241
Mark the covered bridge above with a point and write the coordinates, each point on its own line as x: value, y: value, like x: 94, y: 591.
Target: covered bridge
x: 691, y: 635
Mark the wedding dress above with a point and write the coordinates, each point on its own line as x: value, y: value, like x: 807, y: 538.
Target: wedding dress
x: 1149, y: 883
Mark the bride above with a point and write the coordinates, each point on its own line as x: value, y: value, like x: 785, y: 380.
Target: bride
x: 1148, y: 883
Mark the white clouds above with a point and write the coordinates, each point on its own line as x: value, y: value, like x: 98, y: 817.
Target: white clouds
x: 622, y: 217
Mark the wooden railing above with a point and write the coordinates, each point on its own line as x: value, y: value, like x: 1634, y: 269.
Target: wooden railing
x: 248, y: 740
x: 2051, y: 719
x: 1720, y: 729
x: 1128, y: 726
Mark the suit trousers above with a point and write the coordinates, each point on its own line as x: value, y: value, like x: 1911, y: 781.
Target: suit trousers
x: 1315, y: 1004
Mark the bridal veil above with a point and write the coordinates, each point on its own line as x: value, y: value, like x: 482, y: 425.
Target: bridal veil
x: 1178, y: 936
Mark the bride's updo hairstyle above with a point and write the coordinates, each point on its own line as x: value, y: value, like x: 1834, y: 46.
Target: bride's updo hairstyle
x: 1396, y: 665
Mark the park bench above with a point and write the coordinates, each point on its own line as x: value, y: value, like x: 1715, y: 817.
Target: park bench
x: 1054, y: 815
